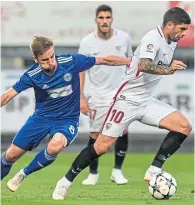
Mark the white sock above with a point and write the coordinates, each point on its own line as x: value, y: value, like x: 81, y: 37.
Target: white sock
x: 22, y: 171
x: 154, y: 169
x: 65, y: 181
x: 116, y: 170
x: 93, y: 174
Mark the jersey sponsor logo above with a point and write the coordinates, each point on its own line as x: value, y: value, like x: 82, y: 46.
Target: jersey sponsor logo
x: 150, y: 48
x: 60, y: 92
x: 67, y: 77
x: 163, y: 64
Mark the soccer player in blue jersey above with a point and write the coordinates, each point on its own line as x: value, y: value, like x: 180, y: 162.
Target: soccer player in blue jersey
x: 55, y: 80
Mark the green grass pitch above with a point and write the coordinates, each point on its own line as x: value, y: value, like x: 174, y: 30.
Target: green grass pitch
x: 37, y: 188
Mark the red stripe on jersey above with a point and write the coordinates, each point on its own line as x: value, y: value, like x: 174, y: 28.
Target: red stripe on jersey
x: 109, y: 111
x: 159, y: 32
x: 138, y: 72
x: 119, y: 90
x: 95, y: 35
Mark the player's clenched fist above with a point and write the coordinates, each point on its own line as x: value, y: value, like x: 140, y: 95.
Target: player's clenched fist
x: 177, y: 65
x: 84, y: 105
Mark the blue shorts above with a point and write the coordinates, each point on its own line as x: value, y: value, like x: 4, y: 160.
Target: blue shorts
x: 37, y: 128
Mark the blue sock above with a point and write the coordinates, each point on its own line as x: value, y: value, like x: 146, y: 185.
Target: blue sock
x: 41, y: 160
x: 5, y: 166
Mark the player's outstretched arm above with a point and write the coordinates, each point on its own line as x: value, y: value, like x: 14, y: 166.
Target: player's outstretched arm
x: 7, y: 96
x: 84, y: 106
x: 146, y: 65
x: 113, y: 60
x: 82, y: 82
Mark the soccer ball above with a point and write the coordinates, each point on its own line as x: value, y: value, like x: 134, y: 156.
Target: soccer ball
x: 162, y: 186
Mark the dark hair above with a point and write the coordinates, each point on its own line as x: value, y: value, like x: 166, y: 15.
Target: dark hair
x: 40, y: 44
x: 177, y: 16
x: 103, y: 8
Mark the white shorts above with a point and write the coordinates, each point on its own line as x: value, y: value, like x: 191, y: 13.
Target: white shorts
x: 122, y: 113
x: 97, y: 116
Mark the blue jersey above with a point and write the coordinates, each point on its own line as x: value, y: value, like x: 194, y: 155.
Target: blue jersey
x: 58, y: 95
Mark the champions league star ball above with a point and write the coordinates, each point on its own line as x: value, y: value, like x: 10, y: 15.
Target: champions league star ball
x: 162, y: 186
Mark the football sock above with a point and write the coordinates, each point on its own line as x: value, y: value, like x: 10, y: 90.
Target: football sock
x: 84, y: 159
x: 170, y: 145
x: 121, y: 147
x: 93, y: 167
x: 154, y: 169
x: 5, y: 166
x: 41, y: 160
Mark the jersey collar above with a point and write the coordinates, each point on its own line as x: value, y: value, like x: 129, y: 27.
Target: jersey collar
x: 162, y: 35
x: 160, y: 31
x: 114, y: 34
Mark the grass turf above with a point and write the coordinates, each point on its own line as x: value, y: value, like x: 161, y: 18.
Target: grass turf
x: 38, y: 187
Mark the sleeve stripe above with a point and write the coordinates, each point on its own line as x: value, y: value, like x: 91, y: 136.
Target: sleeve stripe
x: 38, y: 71
x: 33, y: 71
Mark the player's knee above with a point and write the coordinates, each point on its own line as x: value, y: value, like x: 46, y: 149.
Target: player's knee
x: 12, y: 155
x: 57, y: 144
x: 55, y: 148
x: 101, y: 148
x: 94, y: 135
x: 185, y: 127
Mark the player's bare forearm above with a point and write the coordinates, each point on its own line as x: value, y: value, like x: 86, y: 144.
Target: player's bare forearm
x: 113, y: 60
x: 4, y: 99
x: 82, y: 83
x: 146, y: 65
x: 7, y: 96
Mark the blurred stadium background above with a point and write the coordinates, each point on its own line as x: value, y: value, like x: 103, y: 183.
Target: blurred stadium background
x: 67, y: 23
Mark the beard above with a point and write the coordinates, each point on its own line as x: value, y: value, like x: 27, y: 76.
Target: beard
x: 174, y: 38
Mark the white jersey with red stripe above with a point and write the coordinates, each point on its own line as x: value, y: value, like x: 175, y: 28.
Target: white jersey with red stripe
x: 104, y: 80
x: 138, y: 87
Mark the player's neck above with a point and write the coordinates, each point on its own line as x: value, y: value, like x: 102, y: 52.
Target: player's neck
x: 50, y: 72
x: 166, y: 36
x: 105, y: 36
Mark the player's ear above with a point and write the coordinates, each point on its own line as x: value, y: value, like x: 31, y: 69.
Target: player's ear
x: 112, y: 19
x: 170, y: 25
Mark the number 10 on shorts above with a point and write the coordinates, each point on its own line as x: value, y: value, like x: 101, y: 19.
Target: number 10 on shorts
x: 116, y: 116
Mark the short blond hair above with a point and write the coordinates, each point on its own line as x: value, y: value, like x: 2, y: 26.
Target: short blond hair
x: 40, y: 44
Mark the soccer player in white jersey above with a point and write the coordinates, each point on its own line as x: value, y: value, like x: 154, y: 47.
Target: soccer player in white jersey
x: 102, y: 86
x: 133, y: 101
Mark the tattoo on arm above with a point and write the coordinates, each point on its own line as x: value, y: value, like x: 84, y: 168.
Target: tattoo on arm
x: 146, y: 65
